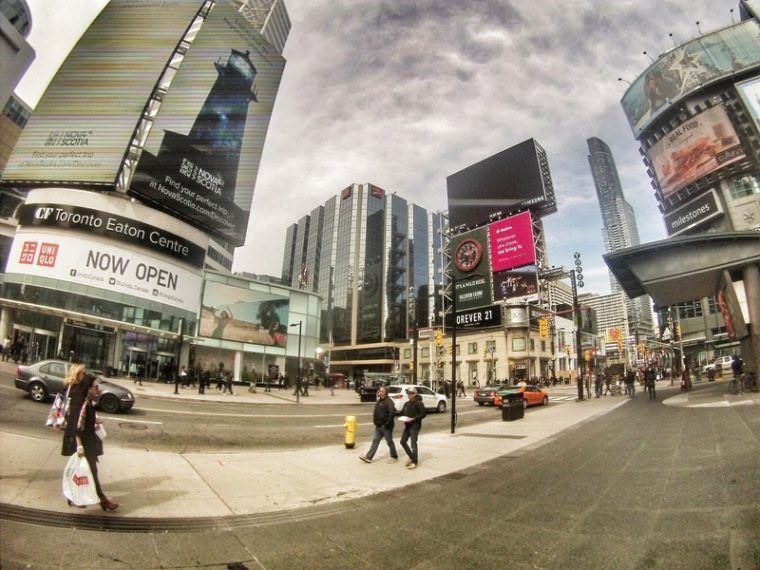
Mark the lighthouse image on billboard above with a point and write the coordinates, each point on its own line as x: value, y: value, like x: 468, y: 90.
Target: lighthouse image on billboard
x: 197, y: 172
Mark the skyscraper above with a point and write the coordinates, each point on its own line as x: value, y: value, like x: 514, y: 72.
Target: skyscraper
x: 375, y: 258
x: 618, y: 227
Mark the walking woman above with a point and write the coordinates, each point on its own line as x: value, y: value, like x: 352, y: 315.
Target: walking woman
x: 79, y: 436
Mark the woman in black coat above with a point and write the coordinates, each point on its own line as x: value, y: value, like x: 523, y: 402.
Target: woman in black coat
x: 79, y: 436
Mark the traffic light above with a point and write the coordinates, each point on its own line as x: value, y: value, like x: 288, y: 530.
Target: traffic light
x: 543, y: 327
x: 677, y: 335
x: 438, y: 337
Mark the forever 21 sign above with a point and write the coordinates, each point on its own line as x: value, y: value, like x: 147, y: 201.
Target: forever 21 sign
x: 482, y: 317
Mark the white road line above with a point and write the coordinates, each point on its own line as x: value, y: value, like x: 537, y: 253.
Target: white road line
x: 228, y: 415
x: 120, y: 420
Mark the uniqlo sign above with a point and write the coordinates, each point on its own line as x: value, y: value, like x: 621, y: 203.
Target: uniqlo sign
x: 48, y: 252
x: 28, y: 252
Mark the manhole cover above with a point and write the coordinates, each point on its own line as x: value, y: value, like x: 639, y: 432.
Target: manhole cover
x: 133, y: 426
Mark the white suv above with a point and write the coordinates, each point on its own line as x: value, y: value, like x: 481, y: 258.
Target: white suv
x: 722, y: 363
x: 433, y: 402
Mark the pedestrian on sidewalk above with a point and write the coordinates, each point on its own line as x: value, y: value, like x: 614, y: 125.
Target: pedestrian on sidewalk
x: 305, y: 386
x: 649, y: 382
x: 414, y: 411
x: 382, y: 417
x: 607, y: 383
x: 587, y: 383
x: 80, y: 436
x: 460, y: 388
x: 204, y: 378
x: 598, y: 381
x: 630, y: 383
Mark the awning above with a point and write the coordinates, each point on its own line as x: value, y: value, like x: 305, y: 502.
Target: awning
x: 681, y: 269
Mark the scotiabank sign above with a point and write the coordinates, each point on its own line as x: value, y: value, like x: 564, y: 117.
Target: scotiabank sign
x: 104, y: 266
x: 112, y: 226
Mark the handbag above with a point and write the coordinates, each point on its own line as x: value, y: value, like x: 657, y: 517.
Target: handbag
x: 57, y: 415
x: 78, y: 483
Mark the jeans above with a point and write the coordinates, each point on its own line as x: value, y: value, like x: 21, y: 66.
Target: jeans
x: 411, y: 430
x: 380, y: 433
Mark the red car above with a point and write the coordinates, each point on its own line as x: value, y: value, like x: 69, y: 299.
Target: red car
x: 531, y: 395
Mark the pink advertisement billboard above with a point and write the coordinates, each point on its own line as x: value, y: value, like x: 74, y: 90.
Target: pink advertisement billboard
x: 511, y: 241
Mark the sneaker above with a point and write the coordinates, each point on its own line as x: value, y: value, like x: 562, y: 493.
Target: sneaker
x: 365, y: 459
x: 412, y: 466
x: 409, y: 462
x: 393, y: 460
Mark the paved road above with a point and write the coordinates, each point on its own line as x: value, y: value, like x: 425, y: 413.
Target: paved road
x: 645, y: 486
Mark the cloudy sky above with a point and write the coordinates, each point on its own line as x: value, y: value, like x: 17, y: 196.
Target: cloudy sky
x: 404, y: 93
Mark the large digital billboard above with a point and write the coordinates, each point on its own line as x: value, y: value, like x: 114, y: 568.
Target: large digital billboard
x: 243, y: 315
x: 696, y: 148
x: 97, y: 262
x: 506, y: 182
x: 471, y: 269
x: 201, y: 158
x: 750, y: 93
x: 520, y: 282
x: 82, y: 125
x: 688, y: 67
x: 511, y: 241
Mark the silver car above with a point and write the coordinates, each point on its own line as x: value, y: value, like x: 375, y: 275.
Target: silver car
x: 46, y: 378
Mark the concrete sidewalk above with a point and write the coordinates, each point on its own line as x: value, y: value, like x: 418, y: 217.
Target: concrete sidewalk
x: 161, y: 484
x: 713, y: 395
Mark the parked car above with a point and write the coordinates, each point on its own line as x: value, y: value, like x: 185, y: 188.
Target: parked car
x: 722, y: 363
x: 433, y: 402
x: 531, y: 395
x: 487, y: 395
x: 45, y: 378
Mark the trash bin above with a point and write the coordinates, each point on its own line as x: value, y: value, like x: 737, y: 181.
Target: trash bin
x: 368, y: 394
x: 512, y: 407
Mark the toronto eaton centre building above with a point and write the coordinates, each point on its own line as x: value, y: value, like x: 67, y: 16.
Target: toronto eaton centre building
x: 136, y: 173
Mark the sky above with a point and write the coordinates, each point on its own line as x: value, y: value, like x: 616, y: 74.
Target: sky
x: 404, y: 93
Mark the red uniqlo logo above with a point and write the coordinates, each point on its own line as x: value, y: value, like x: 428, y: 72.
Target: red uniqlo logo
x: 80, y: 480
x: 28, y: 251
x: 48, y: 253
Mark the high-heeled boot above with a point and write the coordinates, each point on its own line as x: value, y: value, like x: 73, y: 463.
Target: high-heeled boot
x: 108, y: 505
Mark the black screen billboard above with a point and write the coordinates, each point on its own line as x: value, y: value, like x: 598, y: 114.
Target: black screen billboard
x: 506, y: 182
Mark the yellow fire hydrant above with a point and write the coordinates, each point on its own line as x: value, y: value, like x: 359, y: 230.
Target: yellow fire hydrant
x: 350, y: 425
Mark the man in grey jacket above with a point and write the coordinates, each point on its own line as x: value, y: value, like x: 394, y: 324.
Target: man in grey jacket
x: 414, y: 410
x: 383, y: 420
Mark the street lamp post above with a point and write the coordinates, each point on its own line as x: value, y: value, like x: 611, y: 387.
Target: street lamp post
x: 299, y: 324
x: 453, y: 353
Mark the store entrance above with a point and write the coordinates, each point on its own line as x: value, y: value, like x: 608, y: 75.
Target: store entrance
x: 87, y: 345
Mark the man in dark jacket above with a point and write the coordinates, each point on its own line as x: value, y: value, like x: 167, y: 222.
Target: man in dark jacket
x: 414, y: 410
x: 383, y: 420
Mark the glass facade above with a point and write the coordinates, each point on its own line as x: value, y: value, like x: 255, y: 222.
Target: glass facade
x: 377, y: 263
x: 344, y: 270
x: 397, y: 234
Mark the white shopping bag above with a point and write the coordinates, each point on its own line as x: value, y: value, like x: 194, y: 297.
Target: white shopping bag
x: 78, y: 484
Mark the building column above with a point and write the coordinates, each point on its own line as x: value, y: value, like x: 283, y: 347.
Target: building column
x: 118, y: 349
x: 751, y: 276
x: 5, y: 322
x: 237, y: 365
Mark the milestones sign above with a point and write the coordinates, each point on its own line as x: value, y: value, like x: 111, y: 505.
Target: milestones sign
x: 112, y: 226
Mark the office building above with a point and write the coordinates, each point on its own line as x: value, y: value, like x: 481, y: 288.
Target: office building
x: 619, y: 231
x: 376, y: 260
